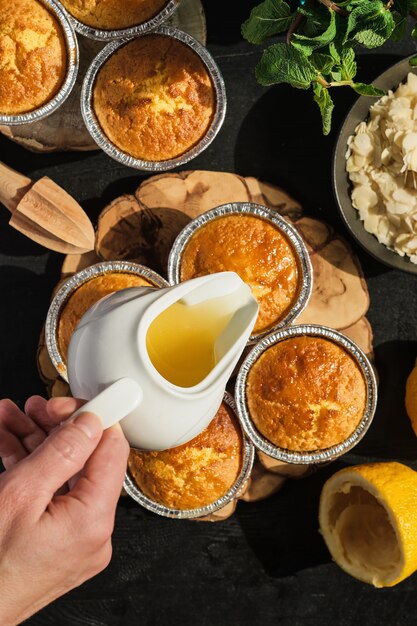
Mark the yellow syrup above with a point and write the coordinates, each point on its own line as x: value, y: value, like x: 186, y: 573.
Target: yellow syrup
x: 181, y: 340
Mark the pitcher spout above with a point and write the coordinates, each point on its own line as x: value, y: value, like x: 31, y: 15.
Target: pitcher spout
x: 200, y: 330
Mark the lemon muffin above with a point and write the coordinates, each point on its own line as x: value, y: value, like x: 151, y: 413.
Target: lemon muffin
x: 154, y: 98
x: 257, y: 251
x: 32, y: 56
x: 197, y: 473
x: 88, y: 294
x: 113, y: 14
x: 306, y: 393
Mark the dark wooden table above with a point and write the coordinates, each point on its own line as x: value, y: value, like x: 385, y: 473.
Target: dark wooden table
x: 266, y: 565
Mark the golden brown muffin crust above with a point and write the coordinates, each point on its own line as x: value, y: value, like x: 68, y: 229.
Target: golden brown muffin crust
x: 32, y: 56
x: 88, y: 294
x: 154, y: 98
x: 257, y: 252
x: 113, y: 14
x: 305, y: 394
x: 197, y: 473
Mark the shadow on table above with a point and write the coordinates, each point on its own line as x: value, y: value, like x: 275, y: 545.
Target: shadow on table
x: 27, y: 162
x: 231, y: 15
x: 283, y: 530
x: 14, y: 243
x: 283, y: 129
x: 390, y: 436
x: 119, y: 187
x: 22, y: 313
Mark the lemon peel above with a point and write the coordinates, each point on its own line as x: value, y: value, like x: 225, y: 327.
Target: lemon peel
x: 368, y: 519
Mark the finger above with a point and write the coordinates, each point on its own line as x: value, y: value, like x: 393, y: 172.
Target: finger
x: 11, y: 449
x: 35, y: 409
x: 14, y: 421
x: 103, y: 474
x: 58, y: 458
x: 60, y: 409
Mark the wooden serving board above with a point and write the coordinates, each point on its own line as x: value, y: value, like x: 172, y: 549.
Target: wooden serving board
x: 142, y: 227
x: 65, y: 129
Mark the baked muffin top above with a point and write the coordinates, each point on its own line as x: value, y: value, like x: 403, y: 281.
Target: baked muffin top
x: 88, y: 294
x: 32, y: 56
x: 306, y: 393
x: 257, y: 251
x: 197, y: 473
x: 154, y: 98
x: 113, y: 14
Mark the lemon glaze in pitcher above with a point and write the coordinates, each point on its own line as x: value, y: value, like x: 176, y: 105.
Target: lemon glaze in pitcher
x: 161, y: 358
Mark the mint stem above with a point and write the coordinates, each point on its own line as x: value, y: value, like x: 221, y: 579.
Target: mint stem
x: 334, y: 7
x: 341, y: 83
x: 322, y: 81
x: 294, y: 27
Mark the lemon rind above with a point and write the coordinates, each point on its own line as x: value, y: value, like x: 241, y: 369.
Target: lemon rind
x: 334, y: 485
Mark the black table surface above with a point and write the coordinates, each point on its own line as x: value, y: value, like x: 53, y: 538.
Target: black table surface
x: 267, y: 564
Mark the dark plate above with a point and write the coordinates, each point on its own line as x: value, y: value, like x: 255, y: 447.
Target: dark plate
x: 390, y: 79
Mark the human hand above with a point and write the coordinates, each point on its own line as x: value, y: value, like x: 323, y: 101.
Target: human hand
x: 51, y: 543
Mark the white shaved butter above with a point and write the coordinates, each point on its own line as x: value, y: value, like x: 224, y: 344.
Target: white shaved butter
x: 381, y: 162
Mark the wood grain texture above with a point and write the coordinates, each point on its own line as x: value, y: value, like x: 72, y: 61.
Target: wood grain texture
x: 50, y: 216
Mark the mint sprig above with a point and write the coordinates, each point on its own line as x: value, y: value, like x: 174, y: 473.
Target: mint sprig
x: 267, y: 19
x: 322, y: 37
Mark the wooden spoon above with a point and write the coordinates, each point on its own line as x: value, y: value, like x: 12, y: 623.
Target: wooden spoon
x: 46, y: 213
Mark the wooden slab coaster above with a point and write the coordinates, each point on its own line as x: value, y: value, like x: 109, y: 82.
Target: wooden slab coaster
x: 65, y: 129
x: 262, y: 483
x: 142, y: 226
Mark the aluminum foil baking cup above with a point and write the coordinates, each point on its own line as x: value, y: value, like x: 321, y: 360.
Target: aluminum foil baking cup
x: 73, y: 283
x: 258, y: 210
x: 248, y: 457
x: 138, y: 29
x: 93, y: 125
x: 315, y: 456
x: 70, y: 77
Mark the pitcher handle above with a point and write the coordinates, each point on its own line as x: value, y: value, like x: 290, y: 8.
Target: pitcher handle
x: 114, y: 403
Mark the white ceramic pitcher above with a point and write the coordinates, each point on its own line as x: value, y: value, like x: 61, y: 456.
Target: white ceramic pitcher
x: 109, y: 364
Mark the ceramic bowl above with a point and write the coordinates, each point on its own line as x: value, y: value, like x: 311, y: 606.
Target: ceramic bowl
x: 390, y: 79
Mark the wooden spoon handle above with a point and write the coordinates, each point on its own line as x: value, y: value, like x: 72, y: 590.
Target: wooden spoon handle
x: 13, y: 187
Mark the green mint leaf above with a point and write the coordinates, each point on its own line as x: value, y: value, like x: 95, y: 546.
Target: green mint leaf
x: 413, y: 61
x: 370, y: 39
x: 310, y: 43
x: 325, y: 104
x: 268, y: 18
x: 336, y: 76
x: 316, y: 18
x: 284, y: 64
x: 370, y: 24
x: 414, y: 32
x: 368, y: 90
x: 400, y: 29
x: 323, y: 62
x: 348, y: 66
x: 333, y: 51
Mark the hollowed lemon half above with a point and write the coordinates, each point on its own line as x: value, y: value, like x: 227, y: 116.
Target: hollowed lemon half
x: 368, y: 518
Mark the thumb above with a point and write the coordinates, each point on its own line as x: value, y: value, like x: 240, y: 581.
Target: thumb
x: 59, y: 457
